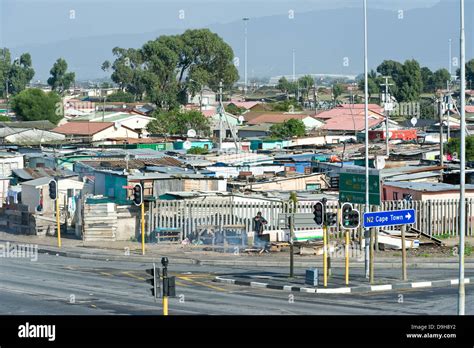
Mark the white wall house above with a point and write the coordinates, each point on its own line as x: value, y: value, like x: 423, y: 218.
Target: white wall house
x: 10, y: 161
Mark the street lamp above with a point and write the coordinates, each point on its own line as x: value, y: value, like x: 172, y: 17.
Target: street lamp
x: 462, y: 172
x: 245, y: 19
x: 366, y: 94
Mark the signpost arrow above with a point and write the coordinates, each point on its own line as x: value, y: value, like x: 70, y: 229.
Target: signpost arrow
x: 389, y: 218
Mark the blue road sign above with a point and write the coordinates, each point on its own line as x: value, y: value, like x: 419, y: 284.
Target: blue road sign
x: 389, y: 218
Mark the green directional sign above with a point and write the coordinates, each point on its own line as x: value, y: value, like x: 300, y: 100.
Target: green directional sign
x: 352, y: 188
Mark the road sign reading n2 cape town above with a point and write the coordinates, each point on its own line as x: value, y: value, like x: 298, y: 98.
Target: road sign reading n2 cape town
x: 389, y: 218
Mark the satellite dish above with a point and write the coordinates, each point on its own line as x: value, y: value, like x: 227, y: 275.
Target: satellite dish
x: 116, y: 125
x: 191, y: 133
x: 241, y: 119
x: 414, y: 121
x: 187, y: 145
x: 379, y: 162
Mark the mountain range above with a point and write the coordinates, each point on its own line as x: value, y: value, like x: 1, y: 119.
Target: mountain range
x: 327, y: 36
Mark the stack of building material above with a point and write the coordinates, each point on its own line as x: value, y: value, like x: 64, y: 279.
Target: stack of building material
x: 100, y: 222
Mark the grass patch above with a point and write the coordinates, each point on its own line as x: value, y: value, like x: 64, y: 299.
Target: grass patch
x: 468, y: 249
x: 443, y: 236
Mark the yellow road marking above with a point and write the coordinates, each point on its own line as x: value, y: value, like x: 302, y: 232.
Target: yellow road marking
x: 202, y: 284
x: 107, y: 274
x: 133, y: 275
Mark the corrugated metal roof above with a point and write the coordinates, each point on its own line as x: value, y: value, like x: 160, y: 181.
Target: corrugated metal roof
x: 427, y: 187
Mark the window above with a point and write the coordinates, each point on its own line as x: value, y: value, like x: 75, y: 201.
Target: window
x: 313, y: 187
x: 395, y: 196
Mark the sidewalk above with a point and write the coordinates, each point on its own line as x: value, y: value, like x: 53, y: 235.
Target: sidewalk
x: 189, y: 254
x: 384, y: 281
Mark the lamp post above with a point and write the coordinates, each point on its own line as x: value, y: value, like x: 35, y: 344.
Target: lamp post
x: 462, y: 179
x: 366, y: 97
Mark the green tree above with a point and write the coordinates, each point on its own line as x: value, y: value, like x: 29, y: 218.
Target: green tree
x: 410, y: 84
x: 454, y: 145
x: 288, y: 129
x: 177, y: 122
x: 428, y: 109
x: 305, y: 83
x: 121, y: 96
x: 234, y: 110
x: 427, y: 78
x: 171, y: 66
x: 337, y: 90
x: 374, y: 82
x: 285, y: 86
x: 60, y: 79
x: 469, y: 71
x: 5, y: 67
x: 34, y: 105
x: 20, y: 74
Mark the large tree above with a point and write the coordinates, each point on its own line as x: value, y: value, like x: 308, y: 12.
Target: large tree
x: 20, y: 74
x: 170, y: 67
x: 34, y: 105
x: 5, y: 66
x: 288, y: 129
x: 60, y: 79
x: 337, y: 90
x: 177, y: 122
x: 305, y: 83
x: 469, y: 71
x: 454, y: 145
x: 374, y: 82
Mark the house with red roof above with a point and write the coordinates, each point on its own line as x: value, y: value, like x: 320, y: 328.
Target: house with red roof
x: 95, y: 131
x: 350, y: 118
x: 309, y: 121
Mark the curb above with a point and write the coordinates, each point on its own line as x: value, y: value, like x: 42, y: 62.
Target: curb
x: 248, y: 263
x: 345, y: 290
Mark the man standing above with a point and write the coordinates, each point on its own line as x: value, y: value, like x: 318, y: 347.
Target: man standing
x: 258, y: 224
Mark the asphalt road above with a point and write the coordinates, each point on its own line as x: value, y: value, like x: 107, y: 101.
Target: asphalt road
x: 56, y: 285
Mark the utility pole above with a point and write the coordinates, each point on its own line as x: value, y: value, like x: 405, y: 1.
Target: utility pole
x: 448, y: 103
x: 462, y: 179
x: 366, y: 96
x: 387, y: 108
x: 220, y: 117
x: 245, y: 19
x: 441, y: 140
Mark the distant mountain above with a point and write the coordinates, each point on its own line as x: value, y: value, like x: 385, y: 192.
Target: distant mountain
x: 326, y: 41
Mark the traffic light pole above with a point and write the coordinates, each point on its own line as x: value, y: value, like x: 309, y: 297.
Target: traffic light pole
x: 165, y: 289
x: 143, y: 226
x: 347, y: 257
x: 325, y: 255
x: 58, y: 223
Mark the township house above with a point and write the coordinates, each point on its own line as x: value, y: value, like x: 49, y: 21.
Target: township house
x: 350, y: 118
x: 270, y: 118
x: 95, y: 131
x: 423, y: 191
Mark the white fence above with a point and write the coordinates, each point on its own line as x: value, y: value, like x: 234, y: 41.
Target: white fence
x: 433, y: 217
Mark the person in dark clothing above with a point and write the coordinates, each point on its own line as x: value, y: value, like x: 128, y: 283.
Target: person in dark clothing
x: 258, y: 225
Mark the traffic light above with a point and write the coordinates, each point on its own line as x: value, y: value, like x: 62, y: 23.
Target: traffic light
x: 154, y: 280
x: 138, y: 194
x: 331, y: 219
x: 53, y: 190
x: 346, y: 214
x: 350, y: 216
x: 169, y: 286
x: 319, y: 213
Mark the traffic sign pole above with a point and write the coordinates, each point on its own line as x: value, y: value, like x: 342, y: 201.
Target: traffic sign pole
x: 404, y: 255
x: 372, y: 255
x: 143, y: 226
